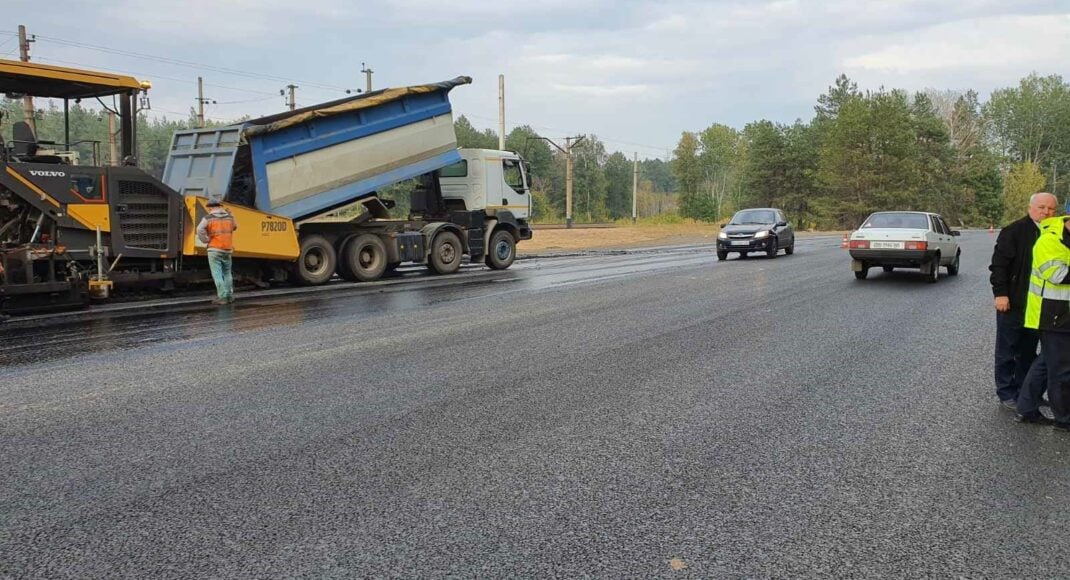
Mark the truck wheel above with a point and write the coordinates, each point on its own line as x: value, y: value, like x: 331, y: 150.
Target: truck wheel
x: 316, y: 262
x: 363, y: 259
x: 502, y: 250
x: 446, y: 252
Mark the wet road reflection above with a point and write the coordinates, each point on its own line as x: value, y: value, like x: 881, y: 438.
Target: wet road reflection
x: 79, y: 334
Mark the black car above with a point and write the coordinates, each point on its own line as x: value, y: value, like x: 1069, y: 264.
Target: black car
x: 763, y: 230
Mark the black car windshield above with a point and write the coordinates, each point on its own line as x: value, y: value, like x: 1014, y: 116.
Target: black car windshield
x: 911, y: 221
x: 753, y: 217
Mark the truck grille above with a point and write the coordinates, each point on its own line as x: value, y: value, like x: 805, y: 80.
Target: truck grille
x: 145, y: 221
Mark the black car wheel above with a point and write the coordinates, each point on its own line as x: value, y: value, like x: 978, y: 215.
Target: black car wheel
x: 888, y: 268
x: 933, y: 273
x: 861, y: 274
x: 722, y: 255
x: 790, y: 249
x: 772, y: 249
x: 953, y: 267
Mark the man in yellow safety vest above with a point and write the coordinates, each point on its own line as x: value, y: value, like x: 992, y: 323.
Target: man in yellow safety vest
x: 1048, y: 310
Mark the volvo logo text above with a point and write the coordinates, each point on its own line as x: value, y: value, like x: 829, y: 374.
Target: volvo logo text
x: 37, y: 173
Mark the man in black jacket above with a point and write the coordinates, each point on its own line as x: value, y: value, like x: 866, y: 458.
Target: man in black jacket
x: 1012, y: 261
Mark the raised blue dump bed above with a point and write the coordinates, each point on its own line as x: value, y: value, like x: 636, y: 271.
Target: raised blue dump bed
x: 303, y: 163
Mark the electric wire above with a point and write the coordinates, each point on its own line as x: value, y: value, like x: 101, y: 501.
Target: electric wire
x: 185, y: 63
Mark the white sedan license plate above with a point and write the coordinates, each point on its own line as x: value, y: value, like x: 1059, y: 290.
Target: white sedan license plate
x: 886, y: 245
x: 741, y: 243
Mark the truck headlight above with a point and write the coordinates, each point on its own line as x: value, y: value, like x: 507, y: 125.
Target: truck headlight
x: 722, y: 236
x: 762, y: 234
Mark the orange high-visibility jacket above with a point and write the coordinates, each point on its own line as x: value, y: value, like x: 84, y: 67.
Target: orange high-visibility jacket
x: 217, y: 230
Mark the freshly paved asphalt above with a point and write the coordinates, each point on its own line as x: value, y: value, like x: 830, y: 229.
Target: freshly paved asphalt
x: 653, y: 414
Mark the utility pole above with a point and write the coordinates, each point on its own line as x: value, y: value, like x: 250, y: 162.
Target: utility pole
x: 568, y: 172
x: 201, y: 101
x: 635, y: 186
x: 24, y: 56
x: 501, y: 112
x: 291, y: 101
x: 367, y: 77
x: 568, y: 177
x: 113, y: 145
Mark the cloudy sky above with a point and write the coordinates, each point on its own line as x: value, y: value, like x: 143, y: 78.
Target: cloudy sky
x: 636, y: 73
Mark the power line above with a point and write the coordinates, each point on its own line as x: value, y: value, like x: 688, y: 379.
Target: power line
x: 185, y: 63
x: 600, y: 138
x: 156, y: 76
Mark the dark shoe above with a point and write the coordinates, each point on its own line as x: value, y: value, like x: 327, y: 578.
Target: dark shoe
x: 1009, y: 404
x: 1063, y: 427
x: 1034, y: 418
x: 230, y: 300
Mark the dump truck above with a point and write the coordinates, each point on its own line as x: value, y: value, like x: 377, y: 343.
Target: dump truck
x: 69, y: 233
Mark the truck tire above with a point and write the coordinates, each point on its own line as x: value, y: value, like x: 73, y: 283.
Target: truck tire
x: 363, y: 259
x: 502, y: 250
x: 446, y: 253
x: 316, y: 262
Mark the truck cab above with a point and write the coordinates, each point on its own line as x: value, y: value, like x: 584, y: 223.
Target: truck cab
x: 489, y: 180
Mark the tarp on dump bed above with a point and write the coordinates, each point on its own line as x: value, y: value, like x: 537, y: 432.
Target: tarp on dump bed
x: 288, y: 119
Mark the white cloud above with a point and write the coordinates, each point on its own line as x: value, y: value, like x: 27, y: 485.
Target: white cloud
x: 997, y: 42
x: 603, y: 90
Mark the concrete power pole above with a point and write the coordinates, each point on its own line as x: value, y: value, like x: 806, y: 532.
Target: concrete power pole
x: 635, y: 186
x: 568, y: 177
x: 24, y: 56
x: 567, y: 151
x: 501, y: 112
x: 367, y: 77
x: 291, y: 101
x: 113, y: 145
x: 200, y: 103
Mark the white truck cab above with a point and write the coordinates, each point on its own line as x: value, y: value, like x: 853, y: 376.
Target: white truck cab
x: 490, y: 180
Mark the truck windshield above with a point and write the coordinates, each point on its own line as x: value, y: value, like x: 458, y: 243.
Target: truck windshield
x: 513, y: 177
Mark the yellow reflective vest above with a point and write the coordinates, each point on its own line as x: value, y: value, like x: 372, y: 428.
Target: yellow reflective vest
x: 1048, y: 305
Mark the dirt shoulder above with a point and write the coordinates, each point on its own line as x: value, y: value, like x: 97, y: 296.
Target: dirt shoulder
x: 550, y: 241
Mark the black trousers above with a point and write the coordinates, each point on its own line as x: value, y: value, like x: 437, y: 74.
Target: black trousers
x: 1056, y: 347
x: 1016, y: 347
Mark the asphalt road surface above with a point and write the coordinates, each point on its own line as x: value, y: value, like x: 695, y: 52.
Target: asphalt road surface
x: 642, y: 414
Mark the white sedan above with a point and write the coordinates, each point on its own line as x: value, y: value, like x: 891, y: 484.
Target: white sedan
x: 904, y: 239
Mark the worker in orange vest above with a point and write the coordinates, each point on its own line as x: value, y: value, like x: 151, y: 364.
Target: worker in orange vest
x: 217, y: 230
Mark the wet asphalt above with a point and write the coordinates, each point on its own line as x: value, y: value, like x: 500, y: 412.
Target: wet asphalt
x: 640, y: 414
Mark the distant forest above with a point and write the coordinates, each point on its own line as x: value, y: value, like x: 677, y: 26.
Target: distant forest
x: 974, y: 161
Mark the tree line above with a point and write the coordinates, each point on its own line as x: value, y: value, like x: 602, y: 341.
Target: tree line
x: 975, y: 162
